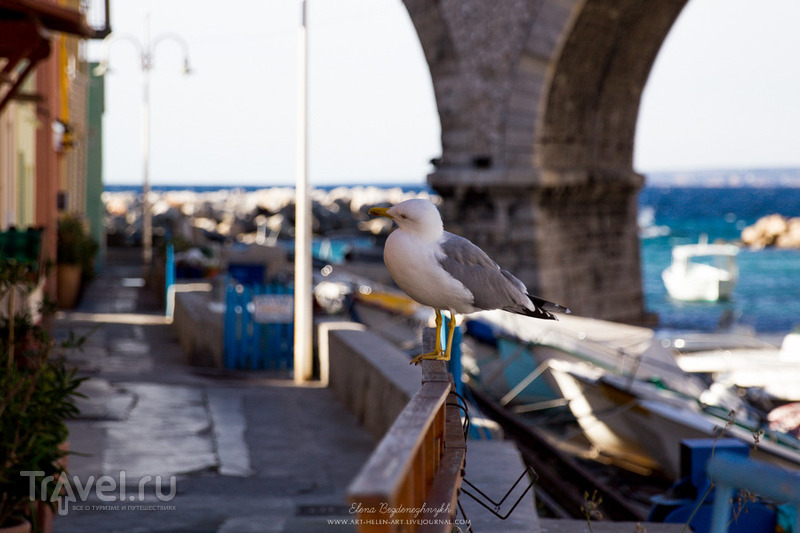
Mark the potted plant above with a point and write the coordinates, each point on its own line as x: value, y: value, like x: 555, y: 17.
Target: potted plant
x: 75, y: 256
x: 37, y: 395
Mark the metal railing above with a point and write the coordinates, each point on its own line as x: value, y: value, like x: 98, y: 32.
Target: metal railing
x: 730, y: 472
x: 411, y: 480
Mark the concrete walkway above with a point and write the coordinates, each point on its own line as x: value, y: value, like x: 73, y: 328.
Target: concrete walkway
x: 163, y: 447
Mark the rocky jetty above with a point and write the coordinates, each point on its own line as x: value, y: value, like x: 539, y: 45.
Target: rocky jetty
x: 235, y: 215
x: 773, y: 230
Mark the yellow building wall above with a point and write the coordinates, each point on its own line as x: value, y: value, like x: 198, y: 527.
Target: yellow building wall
x: 7, y: 164
x: 73, y: 87
x: 18, y: 125
x: 27, y: 124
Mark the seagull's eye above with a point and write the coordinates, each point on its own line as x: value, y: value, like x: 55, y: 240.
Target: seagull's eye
x: 403, y: 216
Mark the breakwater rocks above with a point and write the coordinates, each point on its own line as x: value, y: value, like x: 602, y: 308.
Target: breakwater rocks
x: 773, y: 230
x: 236, y: 215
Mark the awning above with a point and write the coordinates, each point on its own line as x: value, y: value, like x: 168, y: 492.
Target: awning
x: 52, y: 16
x: 25, y: 27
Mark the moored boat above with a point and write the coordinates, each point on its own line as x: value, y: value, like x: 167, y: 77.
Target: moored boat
x: 773, y: 370
x: 630, y: 398
x: 644, y: 424
x: 702, y: 272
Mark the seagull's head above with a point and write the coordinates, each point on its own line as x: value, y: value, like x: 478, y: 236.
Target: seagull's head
x: 417, y: 216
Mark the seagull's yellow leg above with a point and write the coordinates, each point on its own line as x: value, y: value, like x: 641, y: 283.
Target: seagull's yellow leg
x: 437, y: 351
x: 451, y: 329
x: 438, y: 342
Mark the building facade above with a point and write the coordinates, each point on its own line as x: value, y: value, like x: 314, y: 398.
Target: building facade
x: 43, y: 117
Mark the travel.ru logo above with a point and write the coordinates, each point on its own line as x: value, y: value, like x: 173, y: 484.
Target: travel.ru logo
x: 104, y: 488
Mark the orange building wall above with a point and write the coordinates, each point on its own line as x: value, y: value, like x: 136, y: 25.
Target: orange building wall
x: 47, y: 163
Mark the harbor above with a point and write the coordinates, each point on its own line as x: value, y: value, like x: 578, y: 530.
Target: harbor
x: 235, y: 450
x: 354, y: 299
x: 384, y: 266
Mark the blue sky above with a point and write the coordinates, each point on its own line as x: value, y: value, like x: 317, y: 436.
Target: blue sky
x: 722, y: 93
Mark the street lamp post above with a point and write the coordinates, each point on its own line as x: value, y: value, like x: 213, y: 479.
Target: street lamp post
x: 303, y: 316
x: 146, y: 49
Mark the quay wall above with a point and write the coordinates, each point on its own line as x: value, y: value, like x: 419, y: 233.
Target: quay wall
x: 369, y: 375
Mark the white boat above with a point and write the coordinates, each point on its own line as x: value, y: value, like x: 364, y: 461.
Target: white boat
x: 643, y: 424
x: 630, y: 351
x: 626, y: 391
x: 702, y: 272
x: 774, y: 370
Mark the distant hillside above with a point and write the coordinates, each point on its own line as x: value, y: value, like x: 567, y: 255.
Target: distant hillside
x: 756, y: 177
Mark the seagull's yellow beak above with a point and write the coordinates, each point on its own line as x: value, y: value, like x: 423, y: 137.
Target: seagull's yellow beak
x: 380, y: 212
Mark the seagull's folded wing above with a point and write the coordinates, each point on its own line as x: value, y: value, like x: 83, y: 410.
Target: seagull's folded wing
x: 491, y: 287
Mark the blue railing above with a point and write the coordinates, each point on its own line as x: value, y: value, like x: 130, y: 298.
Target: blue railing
x: 723, y: 490
x: 169, y: 281
x: 454, y: 365
x: 730, y: 472
x: 259, y: 326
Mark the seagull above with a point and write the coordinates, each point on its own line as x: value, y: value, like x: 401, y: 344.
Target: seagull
x: 444, y: 271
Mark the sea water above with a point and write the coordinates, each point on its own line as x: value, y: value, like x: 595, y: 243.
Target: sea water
x: 767, y: 295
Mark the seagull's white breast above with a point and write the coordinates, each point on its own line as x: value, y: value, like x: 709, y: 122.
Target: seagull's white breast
x: 414, y: 267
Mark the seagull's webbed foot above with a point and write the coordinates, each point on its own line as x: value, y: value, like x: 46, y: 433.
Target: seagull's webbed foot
x: 438, y: 354
x: 432, y: 356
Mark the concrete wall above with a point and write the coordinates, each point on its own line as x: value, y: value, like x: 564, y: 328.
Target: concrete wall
x: 199, y: 330
x: 370, y: 376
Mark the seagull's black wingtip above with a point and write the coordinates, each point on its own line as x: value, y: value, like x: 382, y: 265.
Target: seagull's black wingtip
x: 536, y: 312
x: 546, y: 305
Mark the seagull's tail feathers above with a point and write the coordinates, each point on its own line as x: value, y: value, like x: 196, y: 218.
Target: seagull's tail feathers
x: 542, y: 309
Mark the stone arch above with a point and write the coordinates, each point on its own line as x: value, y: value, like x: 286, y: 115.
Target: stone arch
x: 592, y: 98
x: 538, y: 102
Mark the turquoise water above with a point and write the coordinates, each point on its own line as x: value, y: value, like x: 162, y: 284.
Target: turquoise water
x: 767, y: 296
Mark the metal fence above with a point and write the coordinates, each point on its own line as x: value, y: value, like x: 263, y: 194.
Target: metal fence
x: 259, y: 326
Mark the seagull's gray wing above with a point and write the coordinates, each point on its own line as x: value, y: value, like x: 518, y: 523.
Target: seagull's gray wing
x: 491, y: 287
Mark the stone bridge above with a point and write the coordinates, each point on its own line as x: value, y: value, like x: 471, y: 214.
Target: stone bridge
x: 538, y: 101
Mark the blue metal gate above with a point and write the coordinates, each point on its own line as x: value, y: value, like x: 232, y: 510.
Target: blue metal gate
x: 259, y: 326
